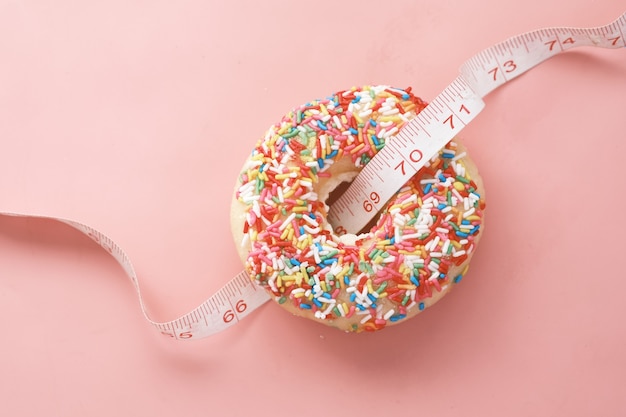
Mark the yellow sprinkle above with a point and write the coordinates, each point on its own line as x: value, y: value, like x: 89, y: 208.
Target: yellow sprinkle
x: 282, y: 176
x: 472, y: 218
x: 279, y: 281
x: 382, y: 294
x: 407, y: 286
x: 369, y: 286
x: 323, y: 285
x: 357, y: 149
x: 465, y: 269
x: 285, y: 233
x: 299, y: 209
x: 459, y: 186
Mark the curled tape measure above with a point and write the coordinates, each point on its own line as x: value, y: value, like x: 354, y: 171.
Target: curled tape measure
x: 400, y: 159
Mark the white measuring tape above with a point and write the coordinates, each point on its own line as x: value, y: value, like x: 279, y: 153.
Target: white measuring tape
x: 398, y: 161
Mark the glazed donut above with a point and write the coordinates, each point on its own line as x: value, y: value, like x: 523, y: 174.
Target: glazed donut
x: 419, y: 247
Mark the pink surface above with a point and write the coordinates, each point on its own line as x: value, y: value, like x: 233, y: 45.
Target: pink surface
x: 135, y: 117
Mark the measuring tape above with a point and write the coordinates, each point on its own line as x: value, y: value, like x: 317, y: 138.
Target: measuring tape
x: 399, y: 160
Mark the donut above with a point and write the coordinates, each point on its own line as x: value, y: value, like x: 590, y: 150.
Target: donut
x: 416, y: 251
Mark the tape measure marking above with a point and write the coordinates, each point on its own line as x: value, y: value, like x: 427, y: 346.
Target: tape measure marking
x: 452, y: 110
x: 401, y: 158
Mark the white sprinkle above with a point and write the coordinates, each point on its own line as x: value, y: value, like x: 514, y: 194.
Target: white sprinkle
x: 366, y: 319
x: 446, y: 245
x: 365, y: 113
x: 389, y: 259
x: 469, y: 212
x: 320, y: 315
x: 389, y: 314
x: 310, y: 221
x: 312, y: 231
x: 459, y: 156
x: 459, y: 253
x: 287, y: 221
x: 337, y: 122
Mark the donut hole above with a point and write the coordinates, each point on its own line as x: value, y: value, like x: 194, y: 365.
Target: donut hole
x: 334, y: 195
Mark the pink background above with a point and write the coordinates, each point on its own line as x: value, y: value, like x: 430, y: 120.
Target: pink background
x: 135, y: 116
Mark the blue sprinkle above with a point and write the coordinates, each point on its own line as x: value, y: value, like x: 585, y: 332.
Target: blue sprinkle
x: 329, y: 261
x: 346, y: 280
x: 457, y: 279
x: 354, y: 131
x: 415, y: 281
x: 375, y: 140
x: 392, y: 240
x: 301, y: 230
x: 442, y: 178
x: 442, y: 276
x: 427, y: 188
x: 356, y: 99
x: 326, y: 295
x: 435, y: 189
x: 397, y: 317
x: 333, y: 154
x: 305, y: 306
x: 441, y: 206
x: 474, y: 192
x: 371, y: 297
x: 320, y: 162
x: 317, y: 303
x: 422, y: 306
x: 447, y: 155
x: 475, y: 230
x: 321, y: 125
x: 352, y: 297
x: 311, y: 216
x: 295, y: 262
x: 373, y: 122
x: 405, y: 96
x: 465, y: 222
x: 461, y: 234
x: 319, y: 246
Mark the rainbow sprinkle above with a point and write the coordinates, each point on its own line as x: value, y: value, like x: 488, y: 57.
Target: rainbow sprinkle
x: 428, y: 227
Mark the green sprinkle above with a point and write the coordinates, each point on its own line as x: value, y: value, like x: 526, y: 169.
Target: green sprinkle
x: 462, y: 179
x: 282, y: 300
x: 291, y: 134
